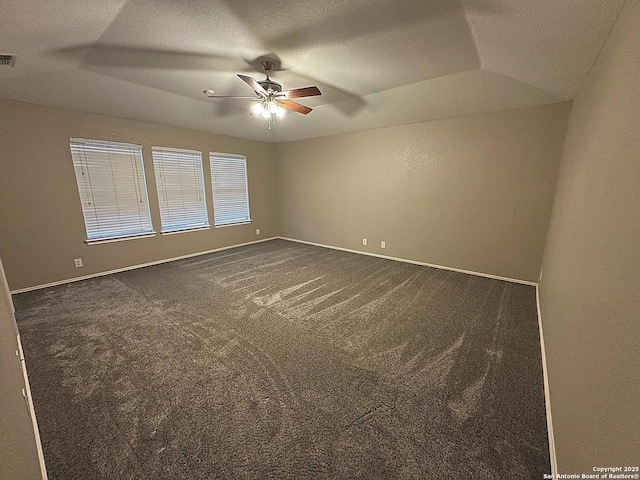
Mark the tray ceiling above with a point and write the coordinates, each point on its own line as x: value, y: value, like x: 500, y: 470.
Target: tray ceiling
x: 378, y: 63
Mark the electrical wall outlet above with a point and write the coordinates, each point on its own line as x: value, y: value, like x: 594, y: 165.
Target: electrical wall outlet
x: 364, y: 241
x: 257, y: 231
x: 77, y: 262
x: 383, y: 244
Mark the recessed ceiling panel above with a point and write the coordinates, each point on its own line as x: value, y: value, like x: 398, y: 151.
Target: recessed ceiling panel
x: 366, y: 46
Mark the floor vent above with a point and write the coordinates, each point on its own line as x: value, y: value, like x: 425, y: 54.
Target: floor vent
x: 7, y: 60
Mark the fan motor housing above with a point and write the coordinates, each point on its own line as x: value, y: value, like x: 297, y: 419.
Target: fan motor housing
x: 269, y: 84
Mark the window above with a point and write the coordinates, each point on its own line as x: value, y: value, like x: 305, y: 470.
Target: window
x: 112, y: 188
x: 180, y: 184
x: 230, y: 192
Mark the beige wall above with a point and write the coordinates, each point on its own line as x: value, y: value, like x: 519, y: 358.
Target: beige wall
x: 590, y: 290
x: 42, y: 228
x: 473, y: 193
x: 18, y: 448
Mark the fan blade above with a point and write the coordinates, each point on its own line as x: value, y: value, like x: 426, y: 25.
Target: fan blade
x: 296, y: 107
x: 302, y: 92
x: 253, y: 84
x: 229, y: 96
x: 210, y: 94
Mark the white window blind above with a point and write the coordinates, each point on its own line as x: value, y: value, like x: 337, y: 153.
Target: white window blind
x: 230, y: 191
x: 112, y: 187
x: 180, y: 184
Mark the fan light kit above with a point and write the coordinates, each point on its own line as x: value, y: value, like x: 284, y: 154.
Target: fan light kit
x: 272, y: 101
x: 267, y: 108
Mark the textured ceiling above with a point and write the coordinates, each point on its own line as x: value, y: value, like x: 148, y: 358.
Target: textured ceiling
x: 377, y: 62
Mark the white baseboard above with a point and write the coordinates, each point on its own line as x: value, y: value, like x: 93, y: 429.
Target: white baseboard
x: 552, y: 444
x: 26, y: 391
x: 133, y: 267
x: 398, y: 259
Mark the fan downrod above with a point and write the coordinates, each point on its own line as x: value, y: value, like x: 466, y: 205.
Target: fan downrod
x: 268, y: 84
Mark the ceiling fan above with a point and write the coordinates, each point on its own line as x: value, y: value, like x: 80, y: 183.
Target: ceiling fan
x: 271, y: 99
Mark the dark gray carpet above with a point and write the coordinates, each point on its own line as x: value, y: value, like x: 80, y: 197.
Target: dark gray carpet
x: 282, y: 360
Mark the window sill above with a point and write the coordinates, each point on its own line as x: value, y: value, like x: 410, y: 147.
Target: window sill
x: 187, y: 230
x: 119, y: 239
x: 247, y: 222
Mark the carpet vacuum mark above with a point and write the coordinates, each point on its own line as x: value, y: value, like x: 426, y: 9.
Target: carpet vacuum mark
x: 288, y: 361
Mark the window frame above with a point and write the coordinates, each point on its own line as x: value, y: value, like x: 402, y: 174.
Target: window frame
x: 216, y: 197
x: 119, y: 230
x: 202, y: 221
